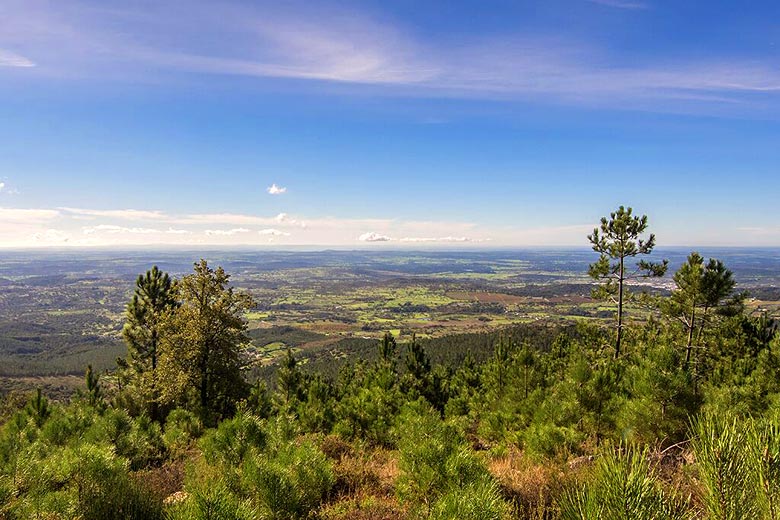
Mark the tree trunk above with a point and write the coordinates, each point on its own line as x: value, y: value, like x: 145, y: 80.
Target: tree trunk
x: 688, y: 347
x: 620, y: 309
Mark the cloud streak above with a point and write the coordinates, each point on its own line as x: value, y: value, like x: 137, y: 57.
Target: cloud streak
x: 114, y: 229
x: 122, y: 214
x: 226, y: 232
x: 353, y: 48
x: 27, y: 216
x: 11, y: 59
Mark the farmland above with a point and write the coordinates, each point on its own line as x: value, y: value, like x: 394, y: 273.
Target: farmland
x: 64, y: 310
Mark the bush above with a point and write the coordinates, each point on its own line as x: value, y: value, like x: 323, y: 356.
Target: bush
x: 724, y: 464
x: 230, y: 442
x: 480, y: 500
x: 182, y: 427
x: 289, y: 481
x: 434, y: 457
x: 212, y: 500
x: 622, y: 487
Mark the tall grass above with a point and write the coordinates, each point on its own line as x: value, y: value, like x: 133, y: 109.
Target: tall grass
x: 738, y: 461
x: 622, y: 487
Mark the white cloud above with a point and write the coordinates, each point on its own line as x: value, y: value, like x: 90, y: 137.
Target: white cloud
x: 11, y: 59
x: 226, y: 232
x: 273, y: 189
x: 2, y: 186
x: 113, y: 230
x: 284, y: 218
x: 122, y: 214
x: 27, y: 216
x: 374, y: 237
x: 273, y: 232
x: 235, y: 219
x: 172, y: 231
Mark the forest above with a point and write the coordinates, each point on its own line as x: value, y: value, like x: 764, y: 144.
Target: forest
x: 670, y: 409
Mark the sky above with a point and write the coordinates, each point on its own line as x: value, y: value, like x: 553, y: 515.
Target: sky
x: 408, y: 123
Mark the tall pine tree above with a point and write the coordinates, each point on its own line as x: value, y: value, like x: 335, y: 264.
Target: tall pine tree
x: 201, y: 351
x: 616, y: 240
x: 152, y: 300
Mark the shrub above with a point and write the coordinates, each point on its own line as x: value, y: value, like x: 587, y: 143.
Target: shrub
x: 181, y: 428
x: 764, y: 445
x: 290, y: 481
x: 721, y: 446
x: 622, y: 487
x: 434, y: 457
x: 230, y: 442
x: 480, y: 500
x: 211, y: 500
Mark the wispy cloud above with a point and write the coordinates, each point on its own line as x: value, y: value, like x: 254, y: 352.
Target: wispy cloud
x: 2, y: 186
x: 27, y: 216
x: 114, y: 229
x: 122, y: 214
x: 11, y: 59
x: 354, y: 48
x: 621, y: 4
x: 273, y: 189
x: 226, y: 232
x: 761, y: 230
x: 51, y: 236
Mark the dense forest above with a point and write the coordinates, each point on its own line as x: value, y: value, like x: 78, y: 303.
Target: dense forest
x: 670, y: 412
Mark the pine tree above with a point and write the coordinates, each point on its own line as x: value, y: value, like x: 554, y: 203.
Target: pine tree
x: 152, y: 300
x: 202, y: 342
x: 616, y: 240
x: 387, y: 349
x: 94, y: 392
x: 699, y: 289
x: 417, y: 380
x: 289, y: 378
x: 38, y: 408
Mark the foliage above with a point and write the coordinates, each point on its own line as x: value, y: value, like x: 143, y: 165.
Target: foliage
x: 618, y: 239
x: 202, y: 338
x: 152, y: 300
x: 423, y: 434
x: 622, y: 487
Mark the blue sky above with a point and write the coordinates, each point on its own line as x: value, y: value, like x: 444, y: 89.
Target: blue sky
x: 387, y: 123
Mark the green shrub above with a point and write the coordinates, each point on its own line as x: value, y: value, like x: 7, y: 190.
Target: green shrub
x: 434, y: 458
x: 622, y: 487
x: 230, y: 442
x: 721, y: 447
x: 289, y: 481
x: 480, y: 500
x: 764, y: 446
x: 182, y: 427
x: 211, y: 500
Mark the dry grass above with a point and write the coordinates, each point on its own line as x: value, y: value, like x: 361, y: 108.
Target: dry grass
x: 162, y: 481
x: 365, y: 482
x: 365, y: 508
x: 533, y: 488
